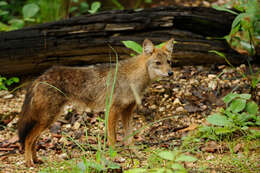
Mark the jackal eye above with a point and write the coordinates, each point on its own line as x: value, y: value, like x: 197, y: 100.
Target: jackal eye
x: 158, y: 63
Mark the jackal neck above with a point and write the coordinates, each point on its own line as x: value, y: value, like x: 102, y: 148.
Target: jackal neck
x: 136, y: 72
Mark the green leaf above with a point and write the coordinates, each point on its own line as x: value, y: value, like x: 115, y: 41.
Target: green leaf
x: 257, y: 122
x: 245, y: 96
x: 3, y: 3
x: 16, y: 23
x: 218, y: 120
x: 29, y: 19
x: 228, y: 98
x: 72, y: 9
x: 94, y: 7
x: 223, y: 9
x: 255, y: 80
x: 30, y: 10
x: 84, y: 7
x: 224, y: 130
x: 3, y: 12
x: 4, y: 27
x: 241, y: 118
x: 15, y: 79
x: 9, y: 82
x: 2, y: 87
x: 244, y: 128
x: 2, y: 79
x: 177, y: 166
x: 112, y: 153
x: 237, y: 105
x: 238, y: 19
x: 218, y: 53
x: 255, y: 134
x: 133, y: 45
x: 252, y: 108
x: 229, y: 114
x: 167, y: 155
x: 185, y: 158
x: 160, y: 45
x: 234, y: 30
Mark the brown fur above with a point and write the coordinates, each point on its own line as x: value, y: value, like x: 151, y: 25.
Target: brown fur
x: 86, y: 86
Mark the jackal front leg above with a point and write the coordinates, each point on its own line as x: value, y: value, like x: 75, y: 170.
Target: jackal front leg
x: 127, y: 116
x: 112, y: 123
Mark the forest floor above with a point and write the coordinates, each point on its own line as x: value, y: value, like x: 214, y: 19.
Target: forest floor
x: 171, y: 113
x: 171, y: 110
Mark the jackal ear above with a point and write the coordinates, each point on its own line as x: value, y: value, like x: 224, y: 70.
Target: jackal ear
x: 148, y: 47
x: 168, y: 46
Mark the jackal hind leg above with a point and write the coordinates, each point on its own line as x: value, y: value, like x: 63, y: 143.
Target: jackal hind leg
x: 30, y: 141
x: 34, y: 154
x: 127, y: 116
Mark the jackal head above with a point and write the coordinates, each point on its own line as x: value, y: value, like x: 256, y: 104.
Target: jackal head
x: 159, y: 59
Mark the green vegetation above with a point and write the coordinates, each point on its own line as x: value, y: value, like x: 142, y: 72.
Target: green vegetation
x: 165, y: 161
x: 18, y: 14
x: 83, y: 7
x: 4, y: 82
x: 239, y: 115
x: 245, y: 31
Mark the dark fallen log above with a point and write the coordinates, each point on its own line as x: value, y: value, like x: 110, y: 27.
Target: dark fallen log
x: 86, y: 39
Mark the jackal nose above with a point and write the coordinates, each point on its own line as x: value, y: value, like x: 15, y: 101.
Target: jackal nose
x: 170, y: 73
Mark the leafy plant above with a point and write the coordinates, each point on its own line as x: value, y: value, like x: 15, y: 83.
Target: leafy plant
x: 245, y: 31
x: 14, y: 18
x: 29, y: 11
x: 4, y: 82
x: 136, y: 47
x: 94, y: 7
x: 133, y: 45
x: 83, y: 7
x: 7, y: 20
x: 172, y: 161
x: 102, y: 165
x: 240, y: 113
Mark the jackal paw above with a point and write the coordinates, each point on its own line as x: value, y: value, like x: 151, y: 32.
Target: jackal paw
x: 38, y: 161
x: 29, y: 163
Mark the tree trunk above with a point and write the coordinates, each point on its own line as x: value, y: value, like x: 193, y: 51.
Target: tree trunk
x: 87, y: 39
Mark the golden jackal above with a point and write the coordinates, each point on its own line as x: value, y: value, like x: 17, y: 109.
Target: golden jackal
x: 87, y: 86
